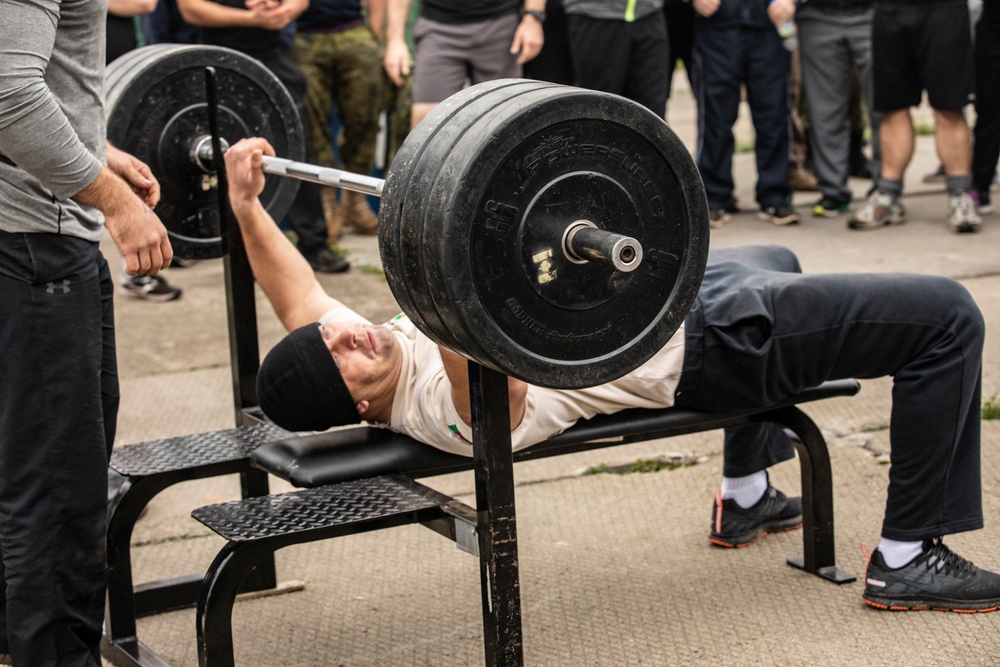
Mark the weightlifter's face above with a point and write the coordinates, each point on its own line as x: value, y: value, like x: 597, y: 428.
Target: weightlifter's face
x: 366, y: 355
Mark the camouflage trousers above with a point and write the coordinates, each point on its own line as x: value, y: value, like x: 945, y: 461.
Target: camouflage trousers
x: 345, y: 69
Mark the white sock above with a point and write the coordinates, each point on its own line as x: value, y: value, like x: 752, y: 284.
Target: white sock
x: 746, y: 491
x: 897, y: 554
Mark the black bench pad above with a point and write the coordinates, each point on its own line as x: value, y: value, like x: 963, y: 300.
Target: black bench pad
x: 364, y: 451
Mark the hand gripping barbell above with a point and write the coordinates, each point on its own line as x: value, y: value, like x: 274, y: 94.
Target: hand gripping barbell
x: 554, y: 234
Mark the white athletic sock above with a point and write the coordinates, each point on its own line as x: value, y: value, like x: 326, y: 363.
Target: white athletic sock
x: 897, y: 554
x: 746, y: 491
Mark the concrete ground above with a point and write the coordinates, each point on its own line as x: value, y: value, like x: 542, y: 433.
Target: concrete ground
x: 615, y: 569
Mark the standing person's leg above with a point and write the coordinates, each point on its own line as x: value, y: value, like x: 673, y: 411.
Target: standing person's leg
x: 897, y: 87
x: 826, y: 74
x: 948, y: 81
x: 648, y: 71
x: 358, y: 90
x: 986, y: 147
x: 718, y: 78
x: 859, y: 38
x: 58, y: 405
x: 554, y: 63
x: 767, y: 64
x: 439, y: 66
x: 489, y: 53
x: 599, y: 49
x: 306, y: 216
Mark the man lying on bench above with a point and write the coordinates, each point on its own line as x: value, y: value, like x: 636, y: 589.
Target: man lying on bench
x: 759, y: 331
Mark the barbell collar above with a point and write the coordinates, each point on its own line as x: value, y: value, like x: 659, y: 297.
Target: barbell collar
x: 201, y: 154
x: 584, y: 242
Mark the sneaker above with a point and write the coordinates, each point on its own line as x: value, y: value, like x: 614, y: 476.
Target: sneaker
x: 733, y: 526
x: 962, y: 216
x: 878, y: 211
x: 828, y: 207
x: 148, y: 288
x: 325, y: 260
x: 778, y: 215
x: 718, y: 217
x: 981, y: 198
x: 938, y: 580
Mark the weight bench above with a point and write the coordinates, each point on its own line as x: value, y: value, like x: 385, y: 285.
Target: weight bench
x: 362, y: 479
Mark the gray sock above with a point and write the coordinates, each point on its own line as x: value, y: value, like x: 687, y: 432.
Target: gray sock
x: 891, y: 186
x: 958, y: 185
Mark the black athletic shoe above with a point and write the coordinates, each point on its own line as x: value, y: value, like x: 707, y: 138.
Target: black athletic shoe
x: 938, y: 580
x: 325, y: 260
x: 733, y: 526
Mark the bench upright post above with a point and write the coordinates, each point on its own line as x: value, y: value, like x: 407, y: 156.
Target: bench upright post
x: 497, y: 523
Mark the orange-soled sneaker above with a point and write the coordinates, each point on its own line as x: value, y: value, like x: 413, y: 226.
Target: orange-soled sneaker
x: 937, y: 580
x: 733, y: 526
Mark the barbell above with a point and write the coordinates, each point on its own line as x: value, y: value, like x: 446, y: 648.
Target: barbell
x: 554, y: 234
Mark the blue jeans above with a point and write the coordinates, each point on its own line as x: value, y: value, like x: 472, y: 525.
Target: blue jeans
x: 58, y: 408
x: 761, y: 331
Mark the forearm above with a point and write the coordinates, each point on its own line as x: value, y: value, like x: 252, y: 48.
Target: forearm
x: 128, y: 8
x: 377, y: 17
x: 397, y: 11
x: 208, y: 14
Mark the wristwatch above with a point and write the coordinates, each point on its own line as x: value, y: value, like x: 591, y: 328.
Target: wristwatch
x: 537, y: 13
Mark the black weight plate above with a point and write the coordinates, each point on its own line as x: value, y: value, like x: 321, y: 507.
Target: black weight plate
x: 413, y: 242
x: 401, y: 215
x: 156, y: 111
x: 505, y: 192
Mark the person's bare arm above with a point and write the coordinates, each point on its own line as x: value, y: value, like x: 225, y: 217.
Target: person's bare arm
x: 280, y: 270
x: 397, y: 53
x: 126, y: 8
x: 529, y: 38
x: 457, y: 369
x: 266, y: 15
x: 135, y: 229
x: 376, y: 17
x: 136, y: 173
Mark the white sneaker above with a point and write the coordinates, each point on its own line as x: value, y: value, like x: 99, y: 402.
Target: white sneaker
x: 962, y: 216
x: 880, y: 210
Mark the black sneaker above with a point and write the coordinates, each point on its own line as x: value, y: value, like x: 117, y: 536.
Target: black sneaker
x: 938, y: 580
x: 148, y: 288
x: 830, y: 207
x: 325, y: 260
x: 733, y: 526
x: 778, y: 215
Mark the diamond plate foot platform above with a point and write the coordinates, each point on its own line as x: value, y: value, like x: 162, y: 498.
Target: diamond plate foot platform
x: 149, y: 468
x: 257, y: 527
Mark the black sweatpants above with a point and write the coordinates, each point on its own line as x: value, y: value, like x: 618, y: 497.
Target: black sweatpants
x: 58, y: 409
x: 627, y: 59
x: 761, y: 331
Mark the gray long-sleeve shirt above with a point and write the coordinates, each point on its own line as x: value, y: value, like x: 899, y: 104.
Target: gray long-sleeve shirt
x: 51, y: 114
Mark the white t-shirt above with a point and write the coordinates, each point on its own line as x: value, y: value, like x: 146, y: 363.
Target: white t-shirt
x: 423, y: 409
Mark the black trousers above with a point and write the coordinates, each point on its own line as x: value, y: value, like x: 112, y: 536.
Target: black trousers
x: 761, y: 331
x: 627, y: 59
x: 58, y: 409
x: 986, y: 149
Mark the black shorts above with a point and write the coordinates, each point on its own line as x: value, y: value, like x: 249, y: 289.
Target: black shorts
x: 922, y: 46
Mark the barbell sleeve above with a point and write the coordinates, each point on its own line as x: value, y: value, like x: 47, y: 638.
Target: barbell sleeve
x: 583, y: 242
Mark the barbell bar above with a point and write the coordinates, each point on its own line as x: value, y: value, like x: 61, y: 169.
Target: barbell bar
x: 581, y: 240
x: 554, y: 234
